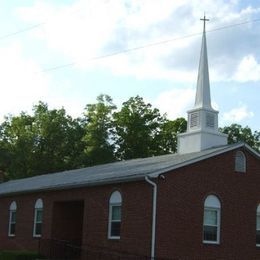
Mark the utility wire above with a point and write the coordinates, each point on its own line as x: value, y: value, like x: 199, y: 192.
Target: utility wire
x: 21, y: 31
x: 234, y: 25
x: 148, y: 46
x: 32, y: 27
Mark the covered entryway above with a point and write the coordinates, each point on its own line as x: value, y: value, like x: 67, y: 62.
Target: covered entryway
x: 66, y: 231
x: 67, y: 221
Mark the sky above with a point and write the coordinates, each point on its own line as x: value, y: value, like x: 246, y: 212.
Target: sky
x: 68, y: 52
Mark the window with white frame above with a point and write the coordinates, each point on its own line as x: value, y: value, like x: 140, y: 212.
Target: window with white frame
x: 258, y: 226
x: 37, y: 225
x: 240, y: 162
x: 12, y: 219
x: 211, y: 221
x: 114, y: 225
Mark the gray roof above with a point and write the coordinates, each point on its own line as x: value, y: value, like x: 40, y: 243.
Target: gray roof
x: 123, y: 171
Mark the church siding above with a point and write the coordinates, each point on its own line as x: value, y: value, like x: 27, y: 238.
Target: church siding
x: 181, y: 207
x: 135, y: 227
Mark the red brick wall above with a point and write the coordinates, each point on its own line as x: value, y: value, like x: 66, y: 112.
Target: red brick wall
x: 180, y: 213
x: 24, y: 226
x: 181, y: 204
x: 136, y: 218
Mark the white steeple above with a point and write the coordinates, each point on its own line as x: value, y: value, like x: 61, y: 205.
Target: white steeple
x: 202, y: 132
x: 203, y: 88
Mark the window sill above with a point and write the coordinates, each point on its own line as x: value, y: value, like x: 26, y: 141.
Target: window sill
x: 258, y: 245
x: 11, y: 236
x: 37, y: 236
x: 114, y: 238
x: 211, y: 242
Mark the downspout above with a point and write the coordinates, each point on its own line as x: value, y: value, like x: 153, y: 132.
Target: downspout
x: 153, y: 217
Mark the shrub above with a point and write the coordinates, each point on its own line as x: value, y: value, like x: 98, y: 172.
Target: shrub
x: 18, y: 255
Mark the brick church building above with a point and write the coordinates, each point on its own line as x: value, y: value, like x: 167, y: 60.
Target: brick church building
x: 200, y: 203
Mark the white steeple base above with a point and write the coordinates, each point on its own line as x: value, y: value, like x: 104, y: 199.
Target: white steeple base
x: 197, y: 141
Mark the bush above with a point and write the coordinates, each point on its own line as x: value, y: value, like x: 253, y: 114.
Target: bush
x: 18, y: 255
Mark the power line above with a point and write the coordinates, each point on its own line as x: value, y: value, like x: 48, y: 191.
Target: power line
x: 32, y: 27
x: 234, y: 25
x: 59, y: 67
x: 26, y: 29
x: 149, y: 45
x: 21, y: 31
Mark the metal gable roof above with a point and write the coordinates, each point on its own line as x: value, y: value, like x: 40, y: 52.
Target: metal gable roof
x: 123, y: 171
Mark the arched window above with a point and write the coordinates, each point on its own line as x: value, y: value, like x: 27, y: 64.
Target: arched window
x: 211, y: 221
x: 258, y: 226
x: 37, y: 225
x: 240, y: 162
x: 12, y: 219
x: 114, y: 224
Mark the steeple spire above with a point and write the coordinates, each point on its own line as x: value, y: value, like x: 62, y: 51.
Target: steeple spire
x: 202, y: 132
x: 203, y: 87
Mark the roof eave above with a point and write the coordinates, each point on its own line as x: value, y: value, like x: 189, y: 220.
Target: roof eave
x: 74, y: 186
x: 252, y: 151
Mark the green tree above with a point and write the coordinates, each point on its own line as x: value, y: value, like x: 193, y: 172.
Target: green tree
x: 237, y: 133
x: 99, y: 147
x: 46, y: 142
x: 168, y: 135
x: 17, y: 144
x: 137, y: 127
x: 59, y: 140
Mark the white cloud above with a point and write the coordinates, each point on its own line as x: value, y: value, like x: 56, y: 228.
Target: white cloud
x: 86, y: 29
x: 175, y: 102
x: 77, y: 31
x: 83, y: 29
x: 248, y: 69
x: 238, y: 114
x: 20, y: 81
x: 23, y: 84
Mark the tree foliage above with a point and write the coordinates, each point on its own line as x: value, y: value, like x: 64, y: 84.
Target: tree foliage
x: 168, y: 135
x: 17, y: 145
x: 236, y: 133
x: 59, y: 139
x: 98, y: 131
x: 49, y: 140
x: 137, y: 127
x: 46, y: 142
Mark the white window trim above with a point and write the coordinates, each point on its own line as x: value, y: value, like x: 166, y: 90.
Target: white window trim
x: 11, y: 211
x: 258, y: 245
x: 37, y: 207
x: 257, y: 215
x: 217, y: 242
x: 241, y: 156
x: 111, y: 205
x: 35, y: 222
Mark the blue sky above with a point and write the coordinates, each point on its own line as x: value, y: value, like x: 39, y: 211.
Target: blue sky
x: 76, y: 31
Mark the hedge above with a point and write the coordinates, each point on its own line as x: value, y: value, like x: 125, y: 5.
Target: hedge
x: 19, y: 255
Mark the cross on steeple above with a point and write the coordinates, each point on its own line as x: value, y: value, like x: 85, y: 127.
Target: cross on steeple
x: 204, y: 22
